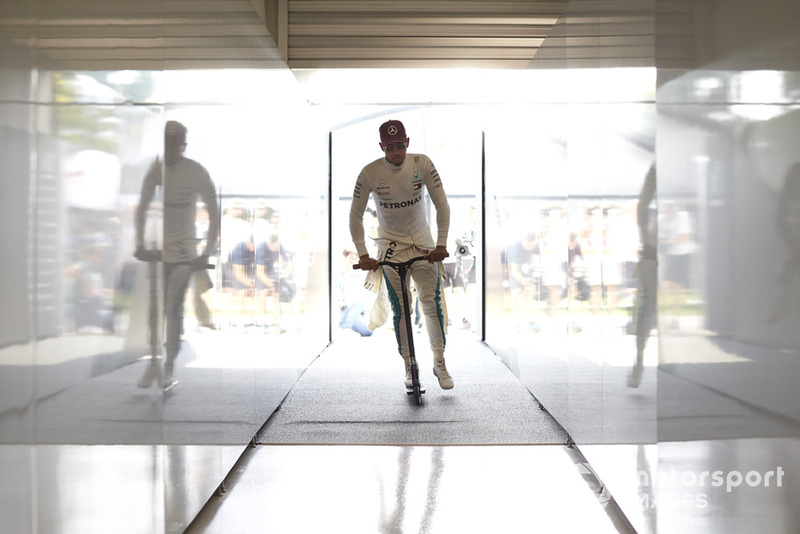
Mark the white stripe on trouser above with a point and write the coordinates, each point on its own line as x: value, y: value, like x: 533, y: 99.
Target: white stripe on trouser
x: 428, y: 284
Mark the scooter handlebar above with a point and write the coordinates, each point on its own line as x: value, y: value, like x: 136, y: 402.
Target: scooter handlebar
x: 395, y: 264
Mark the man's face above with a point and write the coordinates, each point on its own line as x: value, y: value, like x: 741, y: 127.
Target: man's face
x: 173, y: 150
x: 395, y: 151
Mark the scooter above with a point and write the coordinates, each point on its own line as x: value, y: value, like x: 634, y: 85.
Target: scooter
x: 154, y: 322
x: 402, y: 270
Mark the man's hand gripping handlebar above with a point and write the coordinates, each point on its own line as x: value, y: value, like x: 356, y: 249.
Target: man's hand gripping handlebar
x: 365, y: 263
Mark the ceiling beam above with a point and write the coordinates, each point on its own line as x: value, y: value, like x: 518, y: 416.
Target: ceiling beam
x: 277, y: 21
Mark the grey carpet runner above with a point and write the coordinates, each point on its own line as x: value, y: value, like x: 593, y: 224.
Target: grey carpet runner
x: 354, y: 394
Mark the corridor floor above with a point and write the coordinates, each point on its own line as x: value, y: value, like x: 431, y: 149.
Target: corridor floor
x: 349, y: 451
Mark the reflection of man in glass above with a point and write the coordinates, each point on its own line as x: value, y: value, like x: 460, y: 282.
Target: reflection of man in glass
x: 647, y: 274
x: 182, y: 180
x: 788, y: 222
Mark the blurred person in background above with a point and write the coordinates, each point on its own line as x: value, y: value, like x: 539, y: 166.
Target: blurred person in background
x: 646, y: 274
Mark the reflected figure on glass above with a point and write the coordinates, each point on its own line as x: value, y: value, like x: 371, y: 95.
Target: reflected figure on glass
x: 398, y: 182
x: 788, y: 223
x: 646, y: 304
x: 524, y: 279
x: 180, y: 181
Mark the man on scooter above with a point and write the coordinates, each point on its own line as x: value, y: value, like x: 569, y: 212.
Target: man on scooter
x: 398, y: 182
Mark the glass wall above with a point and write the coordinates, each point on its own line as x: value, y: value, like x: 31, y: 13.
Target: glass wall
x: 573, y: 205
x: 89, y: 183
x: 728, y: 225
x: 570, y: 262
x: 564, y: 182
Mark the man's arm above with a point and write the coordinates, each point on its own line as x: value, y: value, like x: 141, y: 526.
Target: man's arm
x: 439, y: 199
x: 357, y: 207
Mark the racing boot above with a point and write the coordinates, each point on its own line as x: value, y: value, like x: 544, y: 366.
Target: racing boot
x: 409, y: 381
x: 440, y: 372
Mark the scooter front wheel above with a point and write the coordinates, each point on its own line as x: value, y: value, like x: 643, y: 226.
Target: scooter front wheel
x: 416, y: 388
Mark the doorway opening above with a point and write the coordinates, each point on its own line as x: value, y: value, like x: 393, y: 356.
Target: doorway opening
x: 455, y: 147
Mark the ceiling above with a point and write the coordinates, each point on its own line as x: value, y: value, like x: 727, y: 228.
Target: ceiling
x: 309, y: 34
x: 416, y: 33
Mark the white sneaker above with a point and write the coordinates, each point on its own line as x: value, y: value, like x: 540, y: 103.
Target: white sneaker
x: 440, y: 372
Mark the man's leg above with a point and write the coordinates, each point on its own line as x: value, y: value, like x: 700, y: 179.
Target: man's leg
x: 646, y: 315
x: 177, y: 279
x: 429, y: 285
x: 394, y: 293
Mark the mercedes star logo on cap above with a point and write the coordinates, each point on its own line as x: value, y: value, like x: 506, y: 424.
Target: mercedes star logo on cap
x: 392, y: 129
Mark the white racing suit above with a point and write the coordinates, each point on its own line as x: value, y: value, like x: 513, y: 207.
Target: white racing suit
x: 403, y: 233
x: 427, y: 278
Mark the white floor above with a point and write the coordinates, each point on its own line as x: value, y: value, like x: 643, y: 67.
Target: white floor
x: 389, y: 489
